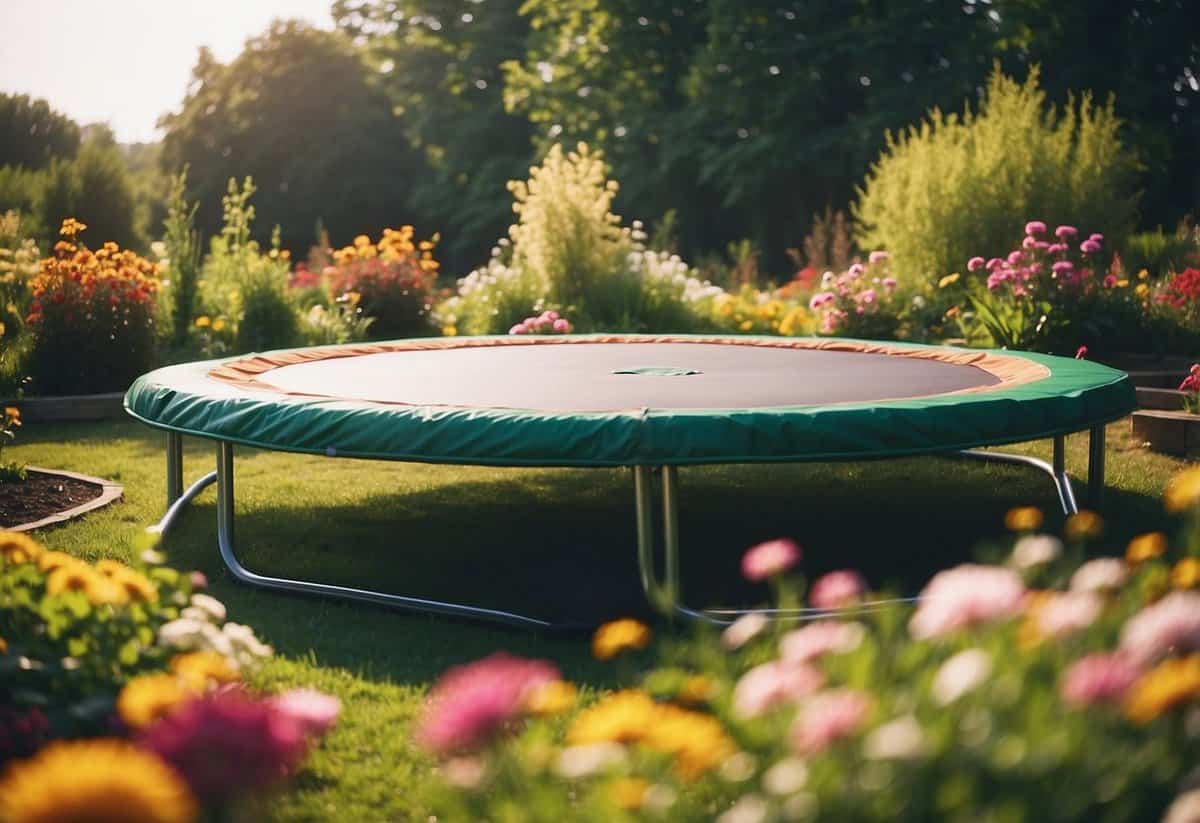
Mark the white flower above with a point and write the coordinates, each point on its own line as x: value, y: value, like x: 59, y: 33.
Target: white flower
x: 213, y: 608
x: 188, y: 634
x: 962, y: 673
x: 582, y: 761
x: 785, y: 777
x: 247, y: 648
x: 750, y: 808
x: 1035, y: 550
x: 1102, y: 574
x: 898, y: 739
x: 1064, y: 614
x: 743, y: 630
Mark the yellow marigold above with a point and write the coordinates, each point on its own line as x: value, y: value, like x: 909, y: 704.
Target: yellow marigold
x: 1083, y: 525
x: 218, y: 324
x: 1023, y: 519
x: 362, y: 240
x: 697, y: 741
x: 1146, y: 547
x: 71, y: 226
x: 1142, y: 290
x: 111, y: 568
x: 151, y: 697
x: 203, y: 321
x: 623, y: 717
x: 18, y: 548
x: 137, y: 586
x: 1186, y: 574
x: 550, y: 698
x: 1183, y: 490
x: 1167, y: 685
x: 615, y: 637
x: 49, y: 561
x: 199, y: 670
x: 99, y: 781
x: 949, y: 280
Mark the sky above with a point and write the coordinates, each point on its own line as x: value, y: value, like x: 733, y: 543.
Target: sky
x: 127, y: 62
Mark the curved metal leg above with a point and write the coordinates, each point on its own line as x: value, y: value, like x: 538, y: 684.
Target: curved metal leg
x: 1057, y: 472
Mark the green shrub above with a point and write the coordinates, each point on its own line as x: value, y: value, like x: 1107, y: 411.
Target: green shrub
x: 1161, y: 253
x: 182, y: 246
x: 18, y: 265
x: 958, y: 185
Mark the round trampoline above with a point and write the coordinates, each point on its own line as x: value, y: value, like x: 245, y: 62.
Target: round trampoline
x: 646, y: 402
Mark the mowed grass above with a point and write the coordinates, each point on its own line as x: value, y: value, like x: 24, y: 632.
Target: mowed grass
x: 554, y: 543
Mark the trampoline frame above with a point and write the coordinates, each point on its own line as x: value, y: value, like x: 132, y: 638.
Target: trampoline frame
x: 665, y: 594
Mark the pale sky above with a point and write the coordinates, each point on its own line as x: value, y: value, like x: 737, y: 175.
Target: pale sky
x: 126, y: 62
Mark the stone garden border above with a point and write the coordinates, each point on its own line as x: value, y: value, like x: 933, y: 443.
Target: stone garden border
x: 110, y: 492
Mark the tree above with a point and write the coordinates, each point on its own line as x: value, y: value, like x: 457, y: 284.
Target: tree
x: 32, y: 134
x: 296, y: 111
x: 96, y: 188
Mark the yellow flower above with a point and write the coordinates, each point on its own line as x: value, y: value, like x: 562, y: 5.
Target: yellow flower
x: 623, y: 717
x: 1023, y: 519
x: 362, y: 240
x: 697, y: 741
x: 1143, y: 274
x: 696, y: 689
x: 198, y: 670
x: 948, y: 280
x: 1167, y: 685
x: 136, y: 586
x: 613, y: 638
x: 203, y: 321
x: 3, y: 646
x: 17, y: 548
x: 49, y: 561
x: 1183, y: 490
x: 450, y: 331
x: 1122, y: 284
x: 1083, y: 525
x: 111, y: 568
x: 1186, y: 574
x: 79, y: 577
x: 746, y: 325
x: 12, y: 415
x: 1146, y: 547
x: 100, y: 781
x: 2, y: 329
x: 629, y: 793
x: 1142, y: 290
x: 550, y: 698
x: 150, y: 697
x: 218, y: 324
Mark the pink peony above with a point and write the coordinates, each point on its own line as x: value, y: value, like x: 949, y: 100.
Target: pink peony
x: 472, y: 703
x: 1063, y: 232
x: 877, y: 256
x: 315, y: 711
x: 771, y: 684
x: 975, y: 264
x: 828, y: 717
x: 770, y: 558
x: 837, y: 590
x: 1035, y: 227
x: 228, y: 744
x: 819, y: 638
x: 1089, y: 246
x: 965, y: 596
x: 1170, y: 625
x: 1065, y: 614
x: 1097, y: 678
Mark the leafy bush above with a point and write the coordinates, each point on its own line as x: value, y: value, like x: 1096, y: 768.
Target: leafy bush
x: 1049, y: 687
x: 92, y: 317
x: 393, y: 279
x: 18, y: 265
x: 957, y: 185
x: 1161, y: 253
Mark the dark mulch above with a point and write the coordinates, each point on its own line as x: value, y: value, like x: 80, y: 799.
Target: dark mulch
x: 42, y: 495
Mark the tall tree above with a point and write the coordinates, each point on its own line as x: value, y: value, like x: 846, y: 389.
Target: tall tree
x: 32, y: 134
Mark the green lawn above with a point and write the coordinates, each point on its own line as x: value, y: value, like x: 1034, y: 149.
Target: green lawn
x: 556, y: 543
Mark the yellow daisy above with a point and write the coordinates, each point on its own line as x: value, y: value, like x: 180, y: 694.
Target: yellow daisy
x: 136, y: 586
x: 1183, y: 491
x: 50, y: 561
x: 149, y: 698
x: 18, y: 548
x: 623, y: 717
x: 550, y: 698
x: 613, y: 638
x: 1164, y: 687
x: 198, y: 670
x: 1146, y: 547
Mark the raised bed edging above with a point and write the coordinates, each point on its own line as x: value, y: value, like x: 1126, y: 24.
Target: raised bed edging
x: 80, y: 407
x: 1171, y: 432
x: 110, y: 492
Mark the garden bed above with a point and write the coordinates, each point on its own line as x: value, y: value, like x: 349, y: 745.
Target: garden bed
x: 48, y: 496
x: 80, y: 407
x: 1170, y: 432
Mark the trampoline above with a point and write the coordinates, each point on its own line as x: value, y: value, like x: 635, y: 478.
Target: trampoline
x: 653, y: 404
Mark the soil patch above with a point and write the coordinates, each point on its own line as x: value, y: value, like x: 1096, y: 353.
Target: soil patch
x: 42, y: 495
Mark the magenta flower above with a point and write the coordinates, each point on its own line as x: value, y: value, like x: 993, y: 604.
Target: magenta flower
x: 1063, y: 232
x: 1063, y: 267
x: 867, y: 297
x: 1056, y: 248
x: 877, y: 256
x: 889, y: 284
x: 561, y: 325
x: 1081, y: 353
x: 519, y: 328
x: 1097, y: 238
x: 769, y: 559
x: 827, y: 718
x: 975, y: 264
x: 1029, y: 243
x: 837, y: 590
x: 966, y: 596
x: 771, y: 684
x: 1015, y: 257
x: 856, y: 270
x: 1170, y: 625
x: 1089, y: 246
x: 314, y: 711
x: 819, y: 638
x: 994, y: 263
x: 473, y: 703
x: 1042, y: 245
x: 1035, y: 227
x: 228, y: 744
x: 1097, y: 678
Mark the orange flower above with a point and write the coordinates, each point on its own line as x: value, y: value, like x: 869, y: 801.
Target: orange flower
x: 1146, y: 547
x: 1023, y: 519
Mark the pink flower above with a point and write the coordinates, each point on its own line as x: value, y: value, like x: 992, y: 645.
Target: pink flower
x: 877, y: 256
x: 1015, y: 257
x: 561, y: 325
x: 198, y: 580
x: 961, y: 674
x: 819, y: 638
x: 770, y: 558
x: 856, y: 270
x: 1089, y: 246
x: 1065, y: 614
x: 994, y: 263
x: 867, y: 297
x: 472, y: 703
x: 889, y: 284
x: 1042, y: 245
x: 1110, y: 280
x: 315, y: 711
x: 1170, y: 625
x: 819, y: 299
x: 827, y: 718
x: 1063, y: 232
x: 1097, y: 678
x: 771, y: 684
x: 837, y: 590
x: 1081, y: 353
x: 1063, y: 267
x: 966, y: 596
x: 1035, y: 227
x: 1056, y: 248
x: 743, y: 630
x: 519, y: 328
x: 1099, y: 575
x: 1029, y: 243
x: 1097, y: 238
x: 975, y: 264
x: 227, y: 744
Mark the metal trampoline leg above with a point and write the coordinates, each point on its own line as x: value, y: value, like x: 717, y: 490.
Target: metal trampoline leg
x: 174, y: 467
x: 1057, y: 471
x: 670, y: 486
x: 1096, y: 449
x: 643, y: 493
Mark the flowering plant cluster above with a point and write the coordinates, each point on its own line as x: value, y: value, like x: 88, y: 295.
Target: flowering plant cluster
x: 18, y: 266
x: 1191, y: 390
x: 1042, y: 687
x: 1180, y: 292
x: 92, y: 316
x: 755, y: 311
x: 548, y: 322
x: 122, y: 687
x: 12, y: 471
x: 858, y: 301
x: 393, y: 278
